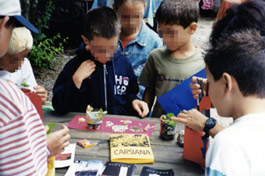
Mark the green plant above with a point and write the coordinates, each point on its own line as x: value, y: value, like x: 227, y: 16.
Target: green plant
x: 24, y: 84
x: 51, y: 126
x: 101, y: 113
x: 45, y: 50
x: 45, y: 53
x: 167, y: 119
x: 42, y: 21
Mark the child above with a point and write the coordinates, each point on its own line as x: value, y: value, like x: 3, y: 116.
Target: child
x: 136, y: 39
x: 20, y: 43
x: 248, y: 15
x: 235, y: 73
x: 15, y: 67
x: 98, y: 76
x: 23, y: 143
x: 166, y: 68
x: 235, y: 70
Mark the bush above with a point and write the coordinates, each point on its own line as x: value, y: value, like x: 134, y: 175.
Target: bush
x: 45, y: 54
x: 45, y: 50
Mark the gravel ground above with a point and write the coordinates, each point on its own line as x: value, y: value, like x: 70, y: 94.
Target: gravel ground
x: 47, y: 78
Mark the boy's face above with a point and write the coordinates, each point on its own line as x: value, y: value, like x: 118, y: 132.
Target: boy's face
x: 13, y: 61
x: 102, y: 49
x: 174, y: 36
x: 218, y: 93
x: 131, y: 16
x: 5, y: 35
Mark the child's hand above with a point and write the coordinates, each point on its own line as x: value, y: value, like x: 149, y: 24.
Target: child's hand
x: 196, y: 87
x: 141, y: 107
x: 192, y: 119
x: 83, y: 72
x: 42, y: 92
x: 58, y: 140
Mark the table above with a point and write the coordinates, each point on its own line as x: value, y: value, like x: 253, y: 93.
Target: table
x: 168, y: 155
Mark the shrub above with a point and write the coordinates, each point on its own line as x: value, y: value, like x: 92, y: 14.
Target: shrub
x: 45, y: 50
x: 45, y: 53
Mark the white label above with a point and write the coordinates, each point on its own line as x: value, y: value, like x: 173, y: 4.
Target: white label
x: 123, y: 171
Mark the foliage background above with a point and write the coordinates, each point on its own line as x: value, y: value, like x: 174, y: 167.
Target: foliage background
x: 59, y: 25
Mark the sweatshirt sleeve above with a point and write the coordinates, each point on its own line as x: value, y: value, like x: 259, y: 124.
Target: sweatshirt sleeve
x: 65, y: 93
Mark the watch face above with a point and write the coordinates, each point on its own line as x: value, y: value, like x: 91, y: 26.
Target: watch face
x: 210, y: 122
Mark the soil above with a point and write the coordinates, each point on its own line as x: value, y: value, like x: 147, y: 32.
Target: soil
x: 47, y: 78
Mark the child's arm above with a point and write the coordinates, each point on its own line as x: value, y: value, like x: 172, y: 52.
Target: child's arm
x: 148, y: 79
x: 58, y: 140
x: 66, y: 94
x: 83, y: 72
x: 193, y: 118
x: 42, y: 92
x: 196, y: 121
x: 149, y: 96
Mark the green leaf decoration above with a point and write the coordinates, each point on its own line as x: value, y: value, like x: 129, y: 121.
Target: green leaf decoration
x: 167, y: 121
x: 24, y: 84
x: 169, y: 115
x: 99, y: 115
x: 51, y: 126
x: 173, y: 123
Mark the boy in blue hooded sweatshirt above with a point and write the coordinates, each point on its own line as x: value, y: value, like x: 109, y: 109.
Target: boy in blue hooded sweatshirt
x: 99, y: 76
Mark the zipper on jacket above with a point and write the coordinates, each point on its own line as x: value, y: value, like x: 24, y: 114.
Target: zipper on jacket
x: 105, y: 86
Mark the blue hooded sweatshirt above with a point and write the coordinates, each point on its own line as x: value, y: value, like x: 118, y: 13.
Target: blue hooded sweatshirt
x: 112, y: 86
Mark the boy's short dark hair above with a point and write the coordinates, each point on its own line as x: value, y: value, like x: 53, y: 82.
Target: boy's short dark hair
x: 248, y: 15
x: 179, y: 12
x: 242, y: 55
x: 118, y: 3
x: 101, y: 22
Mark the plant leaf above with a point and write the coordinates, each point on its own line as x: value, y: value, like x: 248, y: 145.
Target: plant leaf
x: 169, y: 115
x: 24, y: 84
x: 51, y: 126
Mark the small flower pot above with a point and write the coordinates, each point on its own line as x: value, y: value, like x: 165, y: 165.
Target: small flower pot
x: 94, y: 119
x: 167, y: 130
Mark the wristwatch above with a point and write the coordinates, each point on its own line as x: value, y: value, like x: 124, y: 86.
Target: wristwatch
x: 209, y: 124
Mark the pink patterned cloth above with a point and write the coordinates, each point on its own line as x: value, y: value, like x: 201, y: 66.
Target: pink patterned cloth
x: 208, y: 5
x: 109, y: 123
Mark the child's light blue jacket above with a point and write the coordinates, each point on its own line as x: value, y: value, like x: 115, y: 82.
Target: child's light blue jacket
x: 139, y: 49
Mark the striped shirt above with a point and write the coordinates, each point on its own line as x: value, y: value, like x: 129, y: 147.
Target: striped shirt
x: 23, y: 143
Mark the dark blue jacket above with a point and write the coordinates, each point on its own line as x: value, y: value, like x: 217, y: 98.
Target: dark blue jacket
x: 120, y: 91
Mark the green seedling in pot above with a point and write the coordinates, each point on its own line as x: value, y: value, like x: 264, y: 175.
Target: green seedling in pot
x: 101, y: 113
x: 167, y: 119
x: 94, y: 117
x: 167, y: 127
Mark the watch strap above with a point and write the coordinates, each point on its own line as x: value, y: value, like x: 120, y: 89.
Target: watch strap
x: 209, y: 124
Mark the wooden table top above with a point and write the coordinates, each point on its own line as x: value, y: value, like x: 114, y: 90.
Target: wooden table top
x: 168, y: 155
